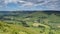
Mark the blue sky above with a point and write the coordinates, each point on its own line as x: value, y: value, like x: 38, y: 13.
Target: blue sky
x: 15, y: 5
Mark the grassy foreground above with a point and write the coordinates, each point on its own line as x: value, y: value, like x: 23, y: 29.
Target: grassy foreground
x: 15, y: 29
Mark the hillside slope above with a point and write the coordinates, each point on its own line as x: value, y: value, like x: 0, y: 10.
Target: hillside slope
x: 30, y: 22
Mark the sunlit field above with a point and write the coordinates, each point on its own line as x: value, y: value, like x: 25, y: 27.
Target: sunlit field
x: 29, y: 22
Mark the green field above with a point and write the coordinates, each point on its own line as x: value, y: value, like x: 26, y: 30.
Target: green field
x: 29, y: 22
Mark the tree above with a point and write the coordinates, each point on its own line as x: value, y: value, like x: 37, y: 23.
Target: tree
x: 24, y: 24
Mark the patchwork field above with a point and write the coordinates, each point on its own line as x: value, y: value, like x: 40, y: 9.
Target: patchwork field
x: 29, y: 22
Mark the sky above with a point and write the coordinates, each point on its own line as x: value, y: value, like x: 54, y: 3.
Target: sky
x: 18, y: 5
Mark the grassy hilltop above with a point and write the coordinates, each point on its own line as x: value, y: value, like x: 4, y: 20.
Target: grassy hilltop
x: 29, y: 22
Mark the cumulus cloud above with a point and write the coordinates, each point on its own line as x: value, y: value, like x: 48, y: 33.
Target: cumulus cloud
x: 28, y: 2
x: 52, y: 4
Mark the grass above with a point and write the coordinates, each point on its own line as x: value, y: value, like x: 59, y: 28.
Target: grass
x: 50, y: 22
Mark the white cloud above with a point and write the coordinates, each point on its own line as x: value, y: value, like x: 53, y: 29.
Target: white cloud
x: 21, y: 1
x: 48, y: 3
x: 28, y: 4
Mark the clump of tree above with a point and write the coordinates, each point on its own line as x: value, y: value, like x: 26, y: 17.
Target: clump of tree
x: 43, y: 29
x: 51, y: 32
x: 24, y: 23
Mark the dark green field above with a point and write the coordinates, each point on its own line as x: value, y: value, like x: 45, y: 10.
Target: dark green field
x: 29, y: 22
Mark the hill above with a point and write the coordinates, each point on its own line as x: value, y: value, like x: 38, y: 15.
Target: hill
x: 30, y: 22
